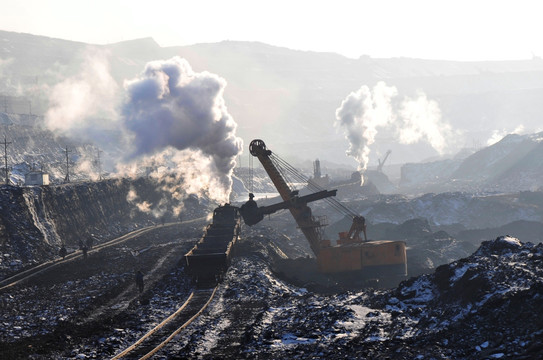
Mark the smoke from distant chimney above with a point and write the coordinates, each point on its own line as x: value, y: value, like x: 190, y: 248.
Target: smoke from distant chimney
x: 365, y: 112
x: 422, y: 121
x: 361, y: 114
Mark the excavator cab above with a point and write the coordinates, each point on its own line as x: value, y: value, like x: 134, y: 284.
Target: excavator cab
x: 359, y: 225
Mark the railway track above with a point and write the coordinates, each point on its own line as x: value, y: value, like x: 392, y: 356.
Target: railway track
x: 43, y: 267
x: 158, y: 337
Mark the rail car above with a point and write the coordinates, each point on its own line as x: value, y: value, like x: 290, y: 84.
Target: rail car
x: 209, y: 259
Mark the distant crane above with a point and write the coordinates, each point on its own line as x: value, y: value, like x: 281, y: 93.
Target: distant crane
x: 317, y: 169
x: 382, y: 163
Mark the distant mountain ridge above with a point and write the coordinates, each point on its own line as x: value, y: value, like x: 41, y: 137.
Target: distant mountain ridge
x: 512, y: 164
x: 289, y: 97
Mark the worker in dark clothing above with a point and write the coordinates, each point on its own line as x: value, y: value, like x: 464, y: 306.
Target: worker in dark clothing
x: 251, y: 203
x: 90, y: 242
x: 63, y: 252
x: 85, y: 251
x: 139, y: 281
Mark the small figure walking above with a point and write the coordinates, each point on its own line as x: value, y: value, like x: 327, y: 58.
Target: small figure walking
x: 63, y: 252
x: 139, y: 281
x: 90, y: 242
x: 84, y: 249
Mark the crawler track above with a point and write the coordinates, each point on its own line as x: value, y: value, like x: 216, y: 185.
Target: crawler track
x: 160, y: 335
x: 29, y: 273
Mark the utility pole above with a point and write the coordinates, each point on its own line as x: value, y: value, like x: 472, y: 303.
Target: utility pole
x: 67, y: 178
x: 99, y: 166
x: 6, y: 143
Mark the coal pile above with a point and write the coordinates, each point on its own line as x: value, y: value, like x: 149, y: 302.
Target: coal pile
x: 484, y: 306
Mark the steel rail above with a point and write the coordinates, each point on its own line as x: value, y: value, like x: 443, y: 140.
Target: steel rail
x: 29, y: 273
x: 176, y: 332
x: 190, y: 299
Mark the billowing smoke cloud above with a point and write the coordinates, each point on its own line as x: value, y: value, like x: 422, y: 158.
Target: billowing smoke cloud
x: 170, y: 120
x: 422, y: 121
x: 84, y: 106
x: 360, y: 114
x: 365, y: 112
x: 169, y: 105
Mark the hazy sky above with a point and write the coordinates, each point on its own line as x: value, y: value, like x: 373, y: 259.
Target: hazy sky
x: 432, y: 29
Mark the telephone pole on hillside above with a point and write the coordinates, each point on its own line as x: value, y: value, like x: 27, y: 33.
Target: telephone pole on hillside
x: 99, y: 166
x: 67, y: 178
x: 6, y: 143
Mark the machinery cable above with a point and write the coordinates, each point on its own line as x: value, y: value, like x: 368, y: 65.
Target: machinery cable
x: 285, y: 168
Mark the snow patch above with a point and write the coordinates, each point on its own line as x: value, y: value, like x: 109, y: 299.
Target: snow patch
x: 361, y: 316
x: 510, y: 240
x: 289, y: 340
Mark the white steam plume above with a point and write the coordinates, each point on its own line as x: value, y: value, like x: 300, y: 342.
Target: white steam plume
x: 422, y: 121
x: 365, y: 112
x: 170, y: 116
x: 171, y: 106
x: 360, y: 114
x: 79, y: 105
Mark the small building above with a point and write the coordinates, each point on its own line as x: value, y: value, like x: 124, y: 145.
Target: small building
x: 36, y: 177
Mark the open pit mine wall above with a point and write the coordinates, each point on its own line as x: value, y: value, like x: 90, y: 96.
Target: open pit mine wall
x: 35, y: 221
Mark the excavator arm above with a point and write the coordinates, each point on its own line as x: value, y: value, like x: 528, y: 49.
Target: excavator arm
x: 299, y: 209
x: 253, y: 214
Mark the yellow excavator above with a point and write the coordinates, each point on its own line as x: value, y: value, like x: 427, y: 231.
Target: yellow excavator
x: 348, y: 253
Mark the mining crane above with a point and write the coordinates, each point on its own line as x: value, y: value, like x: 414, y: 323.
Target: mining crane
x: 382, y: 163
x: 350, y: 252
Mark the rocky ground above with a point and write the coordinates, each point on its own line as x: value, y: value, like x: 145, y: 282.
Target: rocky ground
x: 68, y: 311
x: 482, y: 306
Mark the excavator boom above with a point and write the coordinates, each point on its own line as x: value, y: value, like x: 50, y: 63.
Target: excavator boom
x: 299, y: 209
x: 351, y: 252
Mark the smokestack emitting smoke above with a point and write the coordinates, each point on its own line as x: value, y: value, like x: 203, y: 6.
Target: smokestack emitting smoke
x: 360, y: 114
x: 364, y: 112
x: 171, y: 118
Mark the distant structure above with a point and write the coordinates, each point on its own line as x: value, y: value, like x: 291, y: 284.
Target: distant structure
x: 382, y: 163
x: 36, y: 177
x: 317, y: 179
